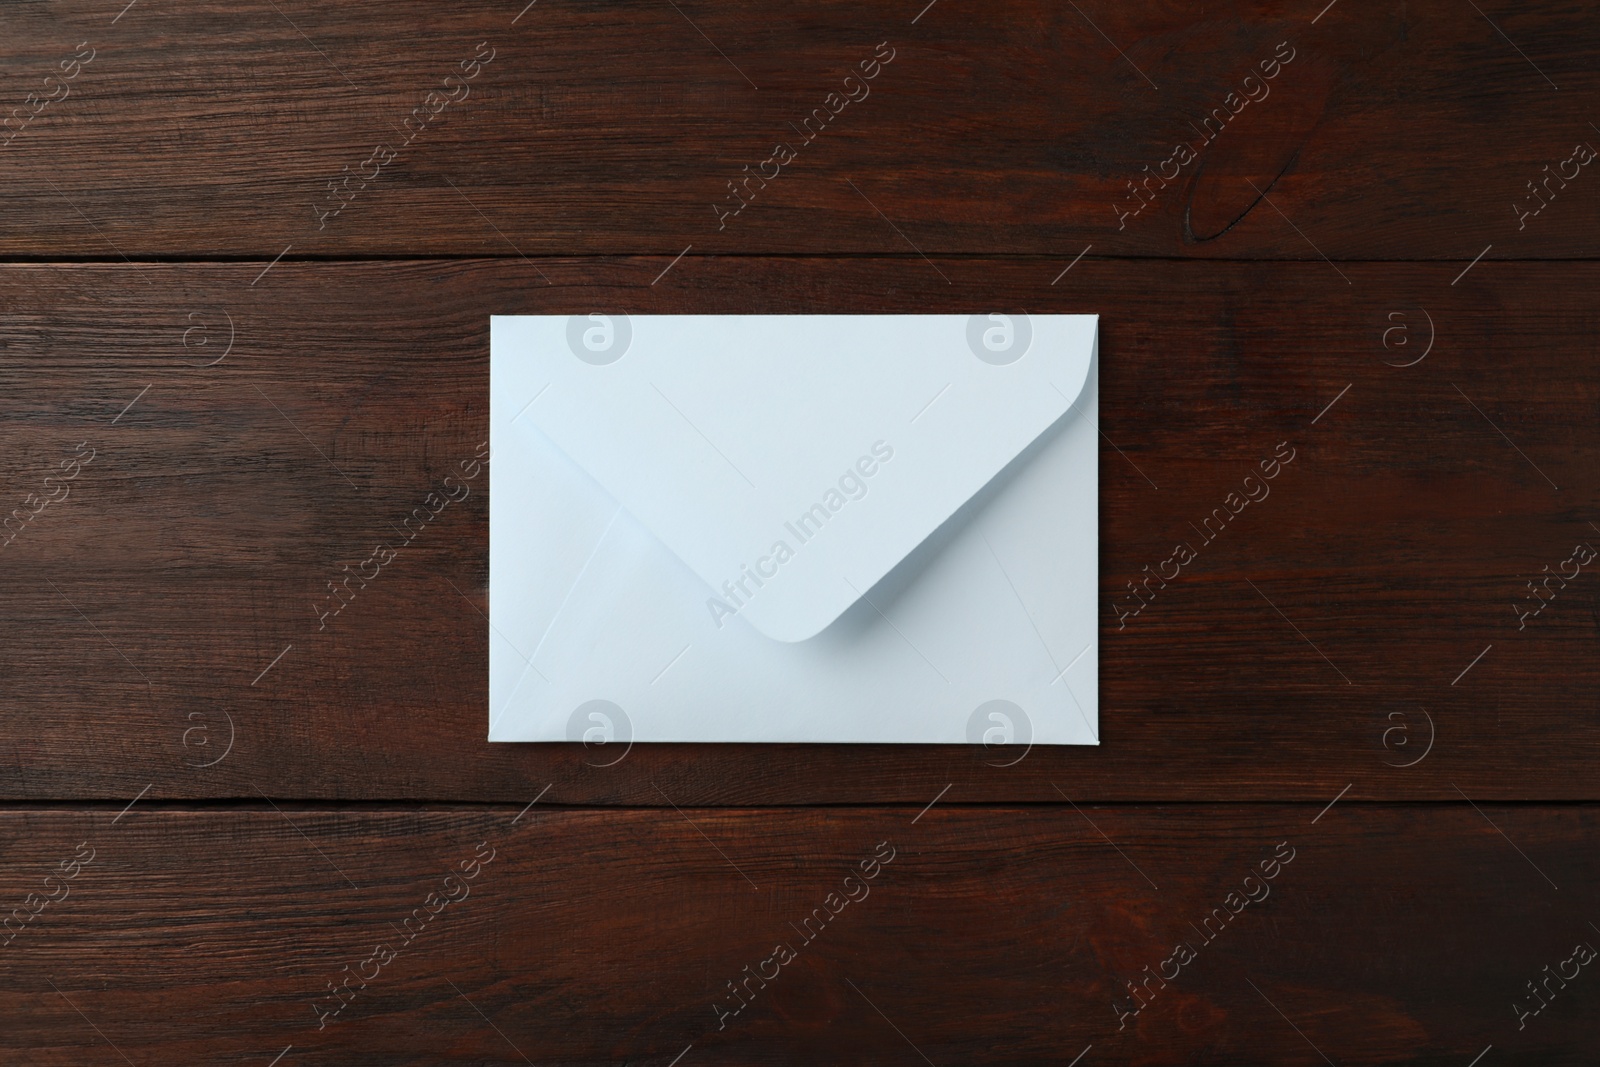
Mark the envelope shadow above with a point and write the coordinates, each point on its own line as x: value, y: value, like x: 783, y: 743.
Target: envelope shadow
x: 888, y: 589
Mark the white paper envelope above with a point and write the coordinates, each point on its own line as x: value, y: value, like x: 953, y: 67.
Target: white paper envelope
x: 829, y: 528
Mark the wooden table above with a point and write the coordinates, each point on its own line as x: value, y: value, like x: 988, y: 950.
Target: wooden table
x: 1343, y: 807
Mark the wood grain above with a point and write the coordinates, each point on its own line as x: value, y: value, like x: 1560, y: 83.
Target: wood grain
x: 991, y: 936
x: 209, y: 129
x: 1307, y: 649
x: 215, y: 391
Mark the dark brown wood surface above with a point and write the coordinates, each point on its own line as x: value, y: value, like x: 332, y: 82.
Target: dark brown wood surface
x: 209, y: 128
x: 197, y: 545
x: 1380, y: 253
x: 997, y: 935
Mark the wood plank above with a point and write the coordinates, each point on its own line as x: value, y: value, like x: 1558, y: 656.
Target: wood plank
x: 1380, y: 934
x: 215, y: 129
x: 1318, y: 642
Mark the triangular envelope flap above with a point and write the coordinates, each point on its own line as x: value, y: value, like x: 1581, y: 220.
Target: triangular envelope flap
x: 790, y: 460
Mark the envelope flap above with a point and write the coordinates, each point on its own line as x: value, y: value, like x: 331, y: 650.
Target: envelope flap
x: 790, y: 461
